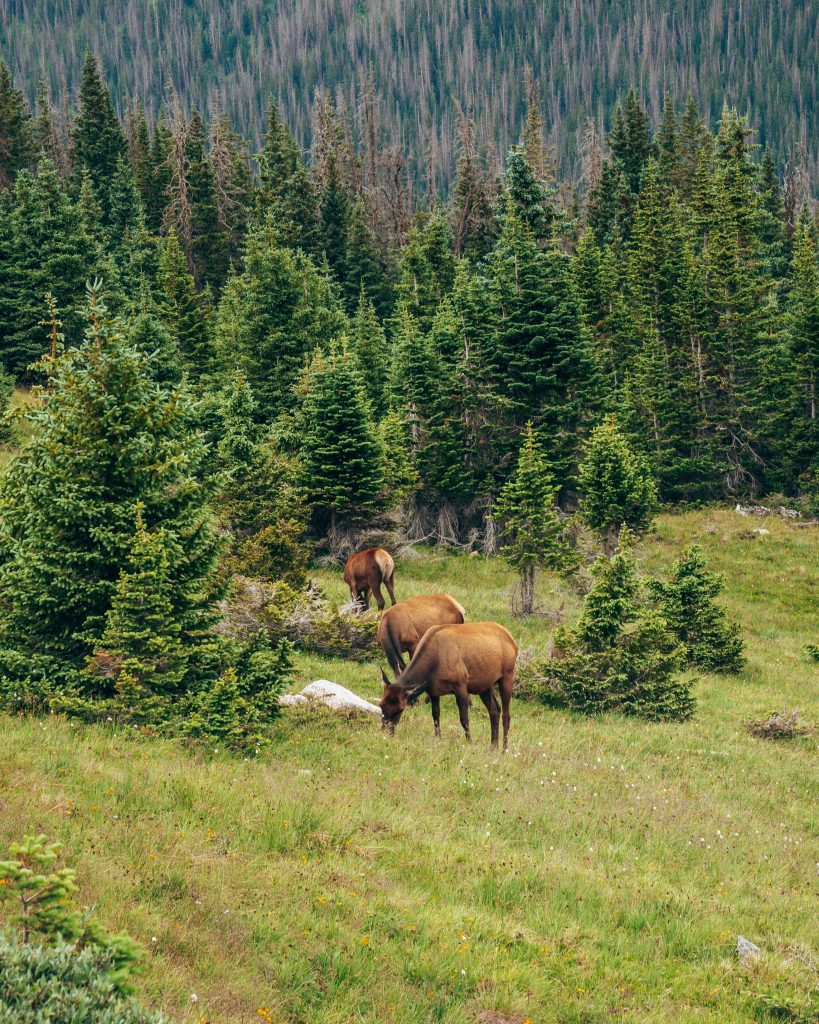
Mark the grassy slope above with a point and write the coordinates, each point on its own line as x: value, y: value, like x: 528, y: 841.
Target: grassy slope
x: 602, y: 870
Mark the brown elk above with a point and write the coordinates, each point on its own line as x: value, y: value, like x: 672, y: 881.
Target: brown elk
x: 364, y: 573
x: 465, y: 659
x: 402, y: 626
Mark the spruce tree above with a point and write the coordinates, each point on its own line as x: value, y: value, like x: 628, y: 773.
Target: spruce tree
x: 533, y: 536
x: 526, y: 197
x: 617, y: 657
x: 179, y: 308
x: 210, y: 241
x: 616, y: 486
x: 543, y: 360
x: 16, y: 143
x: 272, y: 315
x: 427, y: 268
x: 687, y: 602
x: 105, y: 439
x: 50, y: 251
x: 630, y: 140
x: 142, y: 639
x: 96, y: 134
x: 368, y: 344
x: 341, y: 456
x: 803, y: 329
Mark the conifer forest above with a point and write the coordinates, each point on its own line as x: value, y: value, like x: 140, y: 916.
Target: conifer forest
x: 521, y: 303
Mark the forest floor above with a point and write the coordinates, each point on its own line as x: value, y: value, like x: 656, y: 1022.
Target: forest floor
x: 600, y: 871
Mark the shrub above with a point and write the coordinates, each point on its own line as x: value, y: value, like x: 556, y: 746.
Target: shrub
x: 303, y: 617
x: 42, y: 906
x: 686, y: 601
x: 60, y: 983
x: 782, y: 725
x: 617, y: 657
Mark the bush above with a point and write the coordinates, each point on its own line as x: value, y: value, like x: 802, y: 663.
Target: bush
x: 59, y: 984
x: 303, y: 617
x: 617, y: 657
x: 686, y: 601
x: 782, y: 725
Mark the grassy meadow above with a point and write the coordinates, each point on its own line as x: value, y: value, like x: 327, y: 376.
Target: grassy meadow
x: 600, y: 871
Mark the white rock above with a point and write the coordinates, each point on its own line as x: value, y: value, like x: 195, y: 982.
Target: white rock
x: 747, y: 951
x: 332, y: 696
x: 762, y: 531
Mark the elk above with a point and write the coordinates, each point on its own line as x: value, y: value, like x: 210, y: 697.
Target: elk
x: 402, y: 626
x: 470, y: 658
x: 364, y: 573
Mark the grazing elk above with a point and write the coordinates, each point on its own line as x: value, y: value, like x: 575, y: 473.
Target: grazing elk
x: 402, y: 626
x: 364, y: 573
x: 465, y: 659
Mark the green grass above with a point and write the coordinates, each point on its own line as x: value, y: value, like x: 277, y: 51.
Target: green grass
x: 601, y: 871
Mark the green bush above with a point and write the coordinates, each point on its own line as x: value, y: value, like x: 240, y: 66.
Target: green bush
x: 686, y: 601
x: 617, y: 657
x: 61, y: 984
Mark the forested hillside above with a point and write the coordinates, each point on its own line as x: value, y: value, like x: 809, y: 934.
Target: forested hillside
x: 423, y: 58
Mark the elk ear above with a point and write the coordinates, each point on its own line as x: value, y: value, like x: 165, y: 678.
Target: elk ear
x: 385, y: 679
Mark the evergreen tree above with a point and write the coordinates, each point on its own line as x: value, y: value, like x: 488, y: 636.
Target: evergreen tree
x: 106, y: 439
x: 272, y: 315
x: 427, y: 268
x: 16, y: 143
x: 179, y: 308
x: 687, y: 603
x: 618, y: 658
x: 210, y: 241
x: 49, y: 252
x: 803, y: 323
x: 147, y: 334
x: 368, y: 344
x: 473, y: 218
x: 341, y: 456
x: 97, y: 137
x: 630, y: 140
x: 542, y: 358
x: 616, y: 486
x: 155, y: 187
x: 532, y: 535
x: 46, y: 138
x: 526, y: 197
x: 142, y: 638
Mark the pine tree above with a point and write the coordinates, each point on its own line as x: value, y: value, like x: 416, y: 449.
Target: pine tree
x: 473, y: 218
x: 210, y: 242
x: 179, y: 308
x: 526, y: 197
x: 368, y: 345
x: 49, y: 252
x: 686, y: 600
x: 16, y: 143
x: 155, y: 189
x: 427, y: 268
x: 273, y: 315
x: 542, y: 356
x: 147, y: 334
x: 142, y: 638
x: 532, y: 535
x: 97, y: 137
x: 106, y: 438
x: 618, y: 658
x: 630, y: 140
x: 803, y: 324
x: 232, y: 181
x: 259, y: 501
x: 616, y: 486
x: 342, y: 459
x: 46, y: 138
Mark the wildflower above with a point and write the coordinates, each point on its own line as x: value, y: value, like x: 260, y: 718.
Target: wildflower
x: 365, y: 940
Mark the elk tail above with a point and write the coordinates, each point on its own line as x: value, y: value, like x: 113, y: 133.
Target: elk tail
x: 385, y: 564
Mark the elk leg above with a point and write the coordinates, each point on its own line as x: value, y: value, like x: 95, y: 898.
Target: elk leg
x: 463, y: 711
x: 390, y: 585
x: 379, y: 597
x: 436, y: 714
x: 364, y: 598
x: 492, y: 706
x: 507, y: 685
